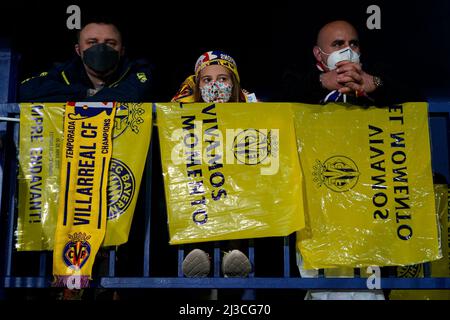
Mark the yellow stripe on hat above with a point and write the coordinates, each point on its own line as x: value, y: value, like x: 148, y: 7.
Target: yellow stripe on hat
x: 219, y: 58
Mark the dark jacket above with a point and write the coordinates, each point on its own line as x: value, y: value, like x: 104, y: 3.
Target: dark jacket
x: 304, y: 86
x: 131, y: 82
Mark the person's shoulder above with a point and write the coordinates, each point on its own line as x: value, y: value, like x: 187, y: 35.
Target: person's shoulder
x: 55, y: 70
x: 67, y: 66
x: 41, y: 76
x: 142, y: 68
x: 140, y: 63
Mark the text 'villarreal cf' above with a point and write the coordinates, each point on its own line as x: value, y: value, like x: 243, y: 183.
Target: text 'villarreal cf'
x: 83, y: 203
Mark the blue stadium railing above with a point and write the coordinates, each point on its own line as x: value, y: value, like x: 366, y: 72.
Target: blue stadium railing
x: 153, y: 248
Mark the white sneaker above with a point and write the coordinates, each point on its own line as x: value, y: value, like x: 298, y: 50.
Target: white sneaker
x: 236, y: 264
x: 196, y: 264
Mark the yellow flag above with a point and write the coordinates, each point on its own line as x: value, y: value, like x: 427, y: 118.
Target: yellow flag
x: 230, y: 170
x: 82, y: 211
x: 439, y: 268
x: 41, y: 132
x: 368, y: 186
x: 38, y: 179
x: 131, y: 141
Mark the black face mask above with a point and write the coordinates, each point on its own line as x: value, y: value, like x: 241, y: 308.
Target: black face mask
x: 101, y: 58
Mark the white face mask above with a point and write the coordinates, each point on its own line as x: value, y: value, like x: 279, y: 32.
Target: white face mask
x: 345, y: 54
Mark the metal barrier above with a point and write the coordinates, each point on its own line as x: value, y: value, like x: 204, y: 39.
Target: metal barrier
x: 149, y: 261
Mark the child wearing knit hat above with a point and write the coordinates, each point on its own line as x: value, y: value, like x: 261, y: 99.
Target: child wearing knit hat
x: 215, y: 80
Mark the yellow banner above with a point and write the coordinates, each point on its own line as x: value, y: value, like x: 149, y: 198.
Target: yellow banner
x: 369, y: 186
x: 41, y: 132
x: 231, y: 171
x: 131, y: 141
x: 439, y: 268
x: 81, y: 224
x: 38, y: 178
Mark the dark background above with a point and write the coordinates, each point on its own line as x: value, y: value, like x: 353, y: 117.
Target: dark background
x: 263, y: 37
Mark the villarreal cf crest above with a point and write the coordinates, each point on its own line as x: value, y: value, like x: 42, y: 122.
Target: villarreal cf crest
x: 77, y: 250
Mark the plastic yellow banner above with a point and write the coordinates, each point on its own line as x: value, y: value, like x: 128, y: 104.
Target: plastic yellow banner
x: 41, y: 128
x: 439, y: 268
x: 369, y: 186
x: 38, y: 180
x: 85, y: 158
x: 231, y: 171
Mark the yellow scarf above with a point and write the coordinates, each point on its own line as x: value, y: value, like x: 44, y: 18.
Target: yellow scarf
x: 81, y: 226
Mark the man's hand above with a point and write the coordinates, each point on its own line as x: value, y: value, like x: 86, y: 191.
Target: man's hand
x: 354, y: 79
x: 347, y: 78
x: 329, y: 80
x: 349, y: 75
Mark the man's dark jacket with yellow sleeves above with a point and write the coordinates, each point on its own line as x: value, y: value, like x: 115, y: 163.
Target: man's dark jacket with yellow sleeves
x: 131, y: 82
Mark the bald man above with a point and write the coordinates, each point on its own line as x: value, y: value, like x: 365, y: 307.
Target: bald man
x: 337, y: 54
x: 339, y: 75
x: 99, y: 71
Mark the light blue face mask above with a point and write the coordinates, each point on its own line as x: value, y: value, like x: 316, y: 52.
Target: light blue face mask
x: 345, y: 54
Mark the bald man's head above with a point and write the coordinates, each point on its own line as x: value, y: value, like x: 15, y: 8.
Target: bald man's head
x: 334, y: 36
x: 335, y: 30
